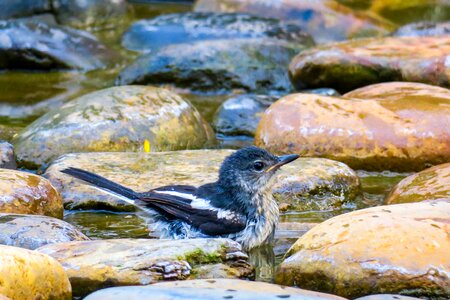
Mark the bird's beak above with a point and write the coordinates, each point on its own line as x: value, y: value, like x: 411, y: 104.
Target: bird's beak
x: 282, y: 160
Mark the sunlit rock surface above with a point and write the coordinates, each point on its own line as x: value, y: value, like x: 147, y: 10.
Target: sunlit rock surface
x: 325, y: 20
x: 151, y: 34
x: 353, y: 64
x: 210, y: 289
x: 387, y: 297
x: 399, y: 248
x: 254, y: 65
x: 307, y: 183
x: 26, y: 274
x: 430, y: 184
x: 26, y: 193
x: 391, y: 126
x: 93, y: 265
x: 30, y: 44
x: 114, y: 119
x: 424, y: 29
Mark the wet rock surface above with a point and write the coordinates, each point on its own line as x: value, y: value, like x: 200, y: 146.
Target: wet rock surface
x: 32, y: 232
x: 241, y: 64
x: 93, y: 265
x: 26, y: 193
x: 30, y: 44
x: 303, y: 184
x: 353, y: 64
x: 24, y: 8
x: 385, y: 249
x: 149, y: 35
x: 7, y: 160
x: 424, y: 29
x: 387, y: 297
x: 27, y: 274
x: 430, y: 184
x: 391, y: 126
x: 114, y: 119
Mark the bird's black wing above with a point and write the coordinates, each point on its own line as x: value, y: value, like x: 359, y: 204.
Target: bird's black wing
x: 179, y: 202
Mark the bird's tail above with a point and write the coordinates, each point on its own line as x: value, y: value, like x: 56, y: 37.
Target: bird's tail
x: 101, y: 182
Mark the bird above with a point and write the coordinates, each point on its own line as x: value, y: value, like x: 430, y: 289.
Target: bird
x: 239, y: 205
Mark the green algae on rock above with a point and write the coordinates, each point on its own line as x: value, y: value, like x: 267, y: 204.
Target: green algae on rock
x: 399, y: 248
x: 430, y: 184
x: 390, y: 126
x: 26, y: 193
x: 114, y: 119
x: 304, y: 184
x: 353, y: 64
x: 93, y: 265
x: 26, y: 274
x: 31, y: 232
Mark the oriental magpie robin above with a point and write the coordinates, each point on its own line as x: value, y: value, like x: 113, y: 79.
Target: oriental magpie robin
x: 239, y: 205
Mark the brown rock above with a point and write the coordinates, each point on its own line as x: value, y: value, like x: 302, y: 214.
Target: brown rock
x: 386, y: 249
x: 26, y: 193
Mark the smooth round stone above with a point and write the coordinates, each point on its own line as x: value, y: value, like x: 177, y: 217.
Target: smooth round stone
x: 7, y: 160
x: 151, y: 34
x: 399, y: 248
x: 430, y: 184
x: 353, y: 64
x: 26, y: 274
x: 93, y: 265
x: 15, y: 9
x: 307, y: 183
x: 251, y: 65
x: 389, y: 126
x: 325, y: 20
x: 32, y: 232
x: 423, y: 29
x: 30, y: 44
x: 114, y: 119
x: 26, y: 193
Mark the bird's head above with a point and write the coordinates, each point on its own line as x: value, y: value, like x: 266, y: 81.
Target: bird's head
x: 250, y: 169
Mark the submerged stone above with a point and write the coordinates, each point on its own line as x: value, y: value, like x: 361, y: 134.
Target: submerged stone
x: 23, y: 8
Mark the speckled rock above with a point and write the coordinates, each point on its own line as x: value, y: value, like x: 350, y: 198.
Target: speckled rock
x: 26, y: 193
x: 349, y: 65
x: 93, y: 265
x: 257, y: 65
x: 386, y: 249
x: 32, y: 232
x: 30, y: 44
x: 307, y: 183
x: 424, y: 29
x: 430, y: 184
x: 23, y: 8
x: 114, y: 119
x: 148, y: 35
x: 325, y: 20
x: 26, y: 274
x: 387, y: 297
x: 210, y: 289
x: 390, y: 126
x: 7, y: 160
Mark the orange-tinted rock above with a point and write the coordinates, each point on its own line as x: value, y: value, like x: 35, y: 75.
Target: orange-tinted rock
x: 399, y: 248
x: 396, y: 126
x: 430, y: 184
x: 26, y: 193
x: 349, y: 65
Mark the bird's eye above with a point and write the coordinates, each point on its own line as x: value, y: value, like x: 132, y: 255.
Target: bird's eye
x: 258, y: 165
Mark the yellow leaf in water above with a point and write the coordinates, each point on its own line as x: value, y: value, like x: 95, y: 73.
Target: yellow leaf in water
x: 147, y: 146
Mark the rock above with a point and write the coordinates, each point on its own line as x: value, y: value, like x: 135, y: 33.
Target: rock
x: 30, y: 44
x: 93, y: 265
x: 424, y: 29
x: 430, y: 184
x: 386, y: 249
x: 27, y: 274
x: 114, y: 119
x: 7, y: 160
x: 307, y: 183
x: 353, y: 64
x: 209, y: 289
x: 389, y: 126
x: 387, y: 297
x: 32, y: 232
x: 240, y: 64
x: 26, y: 193
x: 97, y: 14
x: 23, y: 8
x: 325, y: 20
x: 151, y: 34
